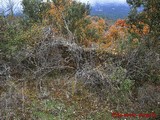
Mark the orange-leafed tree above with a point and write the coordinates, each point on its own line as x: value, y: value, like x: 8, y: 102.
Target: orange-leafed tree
x: 121, y: 30
x: 147, y: 21
x: 115, y: 34
x: 67, y: 16
x: 96, y: 29
x: 57, y: 14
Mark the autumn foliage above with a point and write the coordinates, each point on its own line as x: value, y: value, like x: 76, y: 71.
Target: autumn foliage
x: 75, y: 15
x: 120, y: 30
x: 95, y: 30
x: 146, y: 21
x: 68, y: 16
x: 55, y: 15
x: 72, y: 17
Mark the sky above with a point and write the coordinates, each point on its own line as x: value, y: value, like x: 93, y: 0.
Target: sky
x: 92, y: 2
x: 103, y: 1
x: 4, y: 6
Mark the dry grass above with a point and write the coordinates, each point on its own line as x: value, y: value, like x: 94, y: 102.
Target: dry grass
x: 57, y: 98
x: 50, y: 99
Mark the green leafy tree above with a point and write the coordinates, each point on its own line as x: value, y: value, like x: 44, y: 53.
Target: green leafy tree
x: 70, y: 16
x: 76, y: 18
x: 150, y: 16
x: 75, y: 13
x: 10, y: 37
x: 35, y: 9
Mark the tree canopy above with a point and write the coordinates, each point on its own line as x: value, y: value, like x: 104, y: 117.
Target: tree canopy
x: 149, y: 16
x: 34, y: 9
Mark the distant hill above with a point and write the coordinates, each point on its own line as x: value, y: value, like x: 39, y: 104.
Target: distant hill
x: 111, y: 11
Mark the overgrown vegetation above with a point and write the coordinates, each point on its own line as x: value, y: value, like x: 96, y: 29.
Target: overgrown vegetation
x: 58, y: 62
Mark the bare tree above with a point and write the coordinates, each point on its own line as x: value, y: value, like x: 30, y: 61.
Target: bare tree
x: 8, y: 6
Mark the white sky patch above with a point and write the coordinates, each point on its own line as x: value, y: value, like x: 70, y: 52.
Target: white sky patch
x: 92, y: 2
x: 3, y: 5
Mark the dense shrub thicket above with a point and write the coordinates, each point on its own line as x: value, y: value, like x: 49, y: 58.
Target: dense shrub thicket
x: 58, y: 62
